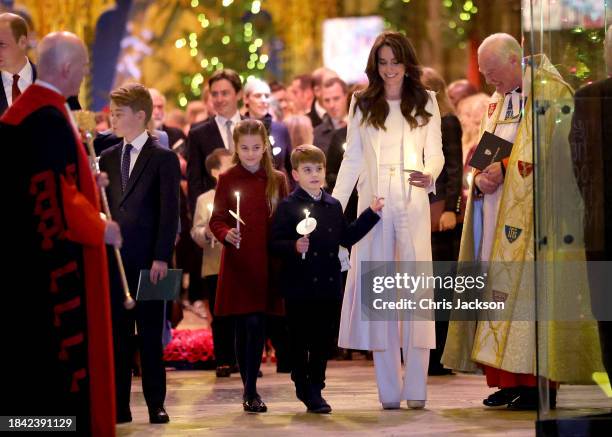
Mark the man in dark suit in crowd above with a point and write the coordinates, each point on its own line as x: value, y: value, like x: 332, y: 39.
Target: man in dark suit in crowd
x: 216, y: 132
x: 159, y: 114
x: 334, y: 97
x: 591, y: 143
x: 302, y: 93
x: 144, y: 199
x: 18, y: 72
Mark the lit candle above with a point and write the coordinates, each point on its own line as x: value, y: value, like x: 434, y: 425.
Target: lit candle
x: 307, y: 214
x: 238, y: 215
x: 210, y: 210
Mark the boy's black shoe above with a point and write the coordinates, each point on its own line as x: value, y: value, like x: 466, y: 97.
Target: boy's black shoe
x: 158, y: 415
x: 302, y: 391
x: 318, y: 405
x: 254, y: 405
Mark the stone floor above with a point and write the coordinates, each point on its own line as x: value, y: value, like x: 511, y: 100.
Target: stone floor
x: 199, y: 404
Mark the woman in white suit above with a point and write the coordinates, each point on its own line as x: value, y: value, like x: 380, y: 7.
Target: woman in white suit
x: 394, y: 150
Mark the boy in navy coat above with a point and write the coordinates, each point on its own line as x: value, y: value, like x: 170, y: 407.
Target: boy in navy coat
x: 312, y: 287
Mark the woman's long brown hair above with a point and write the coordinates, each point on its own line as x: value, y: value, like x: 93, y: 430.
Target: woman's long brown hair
x: 372, y: 102
x: 275, y: 178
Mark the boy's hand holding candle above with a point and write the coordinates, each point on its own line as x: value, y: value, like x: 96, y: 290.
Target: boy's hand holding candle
x: 377, y: 204
x: 301, y: 245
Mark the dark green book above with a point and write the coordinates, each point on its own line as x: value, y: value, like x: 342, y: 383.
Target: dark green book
x: 166, y: 289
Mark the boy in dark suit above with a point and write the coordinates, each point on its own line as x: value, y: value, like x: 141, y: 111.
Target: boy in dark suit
x: 143, y: 196
x: 313, y: 286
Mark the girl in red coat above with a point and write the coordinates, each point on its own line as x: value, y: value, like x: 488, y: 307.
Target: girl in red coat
x: 243, y: 289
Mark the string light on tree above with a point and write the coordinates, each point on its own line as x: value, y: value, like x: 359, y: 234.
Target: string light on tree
x: 234, y: 36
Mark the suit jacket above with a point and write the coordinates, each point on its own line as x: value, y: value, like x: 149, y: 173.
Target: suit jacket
x: 4, y: 98
x: 148, y: 210
x: 202, y: 139
x: 448, y: 184
x: 591, y: 143
x: 335, y: 154
x: 280, y: 142
x: 317, y: 276
x: 323, y: 134
x: 107, y: 139
x: 174, y: 134
x: 314, y: 115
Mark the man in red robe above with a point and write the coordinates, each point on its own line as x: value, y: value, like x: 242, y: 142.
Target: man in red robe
x: 57, y: 326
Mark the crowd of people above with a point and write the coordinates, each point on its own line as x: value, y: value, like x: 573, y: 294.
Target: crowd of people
x: 217, y: 190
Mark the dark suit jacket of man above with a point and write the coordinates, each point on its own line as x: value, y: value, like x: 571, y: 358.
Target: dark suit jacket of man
x: 174, y: 134
x: 202, y: 139
x: 335, y: 154
x: 280, y: 142
x: 448, y: 184
x: 148, y: 211
x: 4, y: 98
x: 323, y: 134
x: 314, y: 115
x: 591, y: 142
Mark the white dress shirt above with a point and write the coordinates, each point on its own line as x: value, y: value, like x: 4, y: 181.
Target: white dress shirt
x: 26, y: 76
x: 223, y: 129
x: 137, y: 145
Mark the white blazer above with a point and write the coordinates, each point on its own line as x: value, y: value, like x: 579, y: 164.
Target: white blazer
x: 422, y: 151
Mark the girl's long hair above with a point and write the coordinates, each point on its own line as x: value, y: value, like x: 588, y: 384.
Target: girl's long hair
x: 372, y: 102
x: 275, y: 178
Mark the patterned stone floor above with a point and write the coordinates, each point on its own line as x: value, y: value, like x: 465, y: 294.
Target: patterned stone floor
x: 199, y: 404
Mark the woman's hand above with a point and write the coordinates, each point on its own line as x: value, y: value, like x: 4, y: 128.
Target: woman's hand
x: 420, y: 179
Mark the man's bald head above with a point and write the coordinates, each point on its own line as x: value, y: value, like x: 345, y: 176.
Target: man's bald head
x: 63, y: 61
x: 13, y: 42
x: 499, y: 60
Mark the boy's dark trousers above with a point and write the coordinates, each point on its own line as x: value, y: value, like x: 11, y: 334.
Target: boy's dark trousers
x: 148, y: 318
x: 312, y: 325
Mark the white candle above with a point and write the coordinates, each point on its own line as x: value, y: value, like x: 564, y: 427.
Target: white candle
x: 307, y: 214
x: 238, y: 215
x: 210, y: 210
x: 238, y: 210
